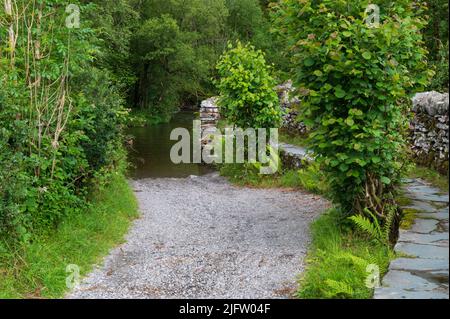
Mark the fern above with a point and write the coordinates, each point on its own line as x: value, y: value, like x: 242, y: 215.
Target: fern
x: 373, y: 228
x: 355, y: 260
x: 367, y: 226
x: 338, y: 289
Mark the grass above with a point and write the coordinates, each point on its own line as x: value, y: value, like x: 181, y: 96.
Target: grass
x: 287, y: 138
x: 338, y: 260
x: 310, y: 178
x: 431, y: 176
x: 39, y: 269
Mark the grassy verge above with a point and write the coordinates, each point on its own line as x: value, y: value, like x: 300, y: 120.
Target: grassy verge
x: 429, y: 175
x: 338, y: 260
x: 292, y: 139
x: 310, y: 178
x: 39, y: 269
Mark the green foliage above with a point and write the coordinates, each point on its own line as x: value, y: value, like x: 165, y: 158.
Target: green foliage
x: 436, y: 38
x: 310, y: 178
x: 177, y: 43
x: 338, y: 259
x: 372, y: 226
x: 61, y: 114
x: 38, y: 270
x: 356, y: 81
x: 247, y: 95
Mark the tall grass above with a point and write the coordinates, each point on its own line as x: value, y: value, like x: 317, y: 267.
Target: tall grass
x: 338, y: 260
x: 38, y: 270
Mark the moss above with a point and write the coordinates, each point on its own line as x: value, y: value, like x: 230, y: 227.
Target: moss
x: 402, y: 200
x: 298, y: 140
x: 409, y: 215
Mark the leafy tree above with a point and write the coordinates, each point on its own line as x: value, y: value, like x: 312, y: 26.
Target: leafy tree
x: 246, y: 86
x: 174, y: 51
x: 356, y: 79
x: 436, y: 38
x: 60, y: 113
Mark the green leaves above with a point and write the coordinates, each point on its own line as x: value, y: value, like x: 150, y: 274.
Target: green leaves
x: 362, y: 77
x: 241, y: 68
x: 367, y: 55
x: 339, y: 92
x: 308, y: 62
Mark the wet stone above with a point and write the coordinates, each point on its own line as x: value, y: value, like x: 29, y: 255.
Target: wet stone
x: 424, y: 226
x: 432, y: 197
x: 393, y: 293
x: 419, y: 264
x: 406, y: 280
x: 422, y: 251
x: 435, y: 215
x: 422, y: 207
x: 437, y: 239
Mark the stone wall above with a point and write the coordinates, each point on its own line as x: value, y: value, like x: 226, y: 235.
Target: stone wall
x: 289, y: 104
x: 429, y: 130
x: 209, y: 117
x: 429, y: 136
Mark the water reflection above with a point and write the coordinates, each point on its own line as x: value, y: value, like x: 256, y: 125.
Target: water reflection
x: 150, y: 156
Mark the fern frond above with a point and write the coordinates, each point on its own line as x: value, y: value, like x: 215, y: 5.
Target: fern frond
x: 388, y: 224
x: 338, y: 289
x: 355, y: 260
x: 364, y: 224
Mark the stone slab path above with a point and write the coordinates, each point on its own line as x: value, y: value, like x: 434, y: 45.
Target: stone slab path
x: 422, y: 270
x: 201, y: 237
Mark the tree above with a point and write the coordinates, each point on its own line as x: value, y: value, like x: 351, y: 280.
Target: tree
x: 247, y: 88
x: 356, y: 79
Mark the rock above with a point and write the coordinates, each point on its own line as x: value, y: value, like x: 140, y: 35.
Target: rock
x: 419, y: 264
x: 422, y: 251
x: 429, y: 130
x: 432, y: 103
x: 437, y: 239
x: 389, y: 293
x: 424, y: 226
x: 289, y: 105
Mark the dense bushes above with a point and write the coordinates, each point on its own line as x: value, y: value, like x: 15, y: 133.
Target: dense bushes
x: 246, y: 86
x: 356, y: 80
x: 60, y: 115
x: 177, y: 44
x: 436, y: 39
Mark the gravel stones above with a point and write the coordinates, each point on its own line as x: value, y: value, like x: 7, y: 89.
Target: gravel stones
x: 201, y: 237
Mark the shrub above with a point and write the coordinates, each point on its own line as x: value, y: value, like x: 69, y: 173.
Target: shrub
x: 356, y: 79
x: 247, y: 94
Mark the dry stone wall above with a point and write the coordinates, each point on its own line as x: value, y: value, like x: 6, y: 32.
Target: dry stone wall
x: 429, y: 130
x: 429, y: 136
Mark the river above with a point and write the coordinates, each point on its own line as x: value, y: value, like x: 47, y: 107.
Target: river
x: 150, y: 154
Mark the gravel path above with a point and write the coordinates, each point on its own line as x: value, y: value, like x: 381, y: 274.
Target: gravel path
x: 201, y: 237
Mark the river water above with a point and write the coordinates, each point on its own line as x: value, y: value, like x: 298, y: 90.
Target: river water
x: 150, y: 154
